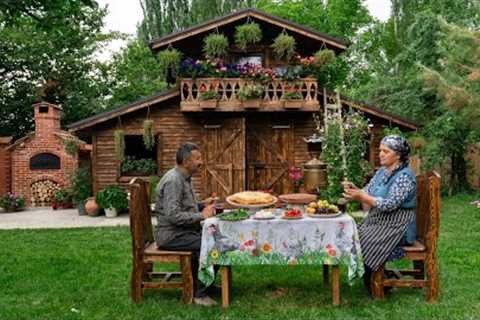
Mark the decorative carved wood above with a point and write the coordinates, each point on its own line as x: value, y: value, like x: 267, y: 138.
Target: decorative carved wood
x: 274, y: 96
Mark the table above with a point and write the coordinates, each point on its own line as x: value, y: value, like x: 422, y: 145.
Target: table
x: 307, y: 241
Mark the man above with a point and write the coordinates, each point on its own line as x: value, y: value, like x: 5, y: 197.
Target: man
x: 179, y: 215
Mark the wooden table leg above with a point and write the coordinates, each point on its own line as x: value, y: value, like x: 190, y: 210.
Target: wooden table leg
x: 335, y: 285
x: 225, y: 274
x: 325, y: 275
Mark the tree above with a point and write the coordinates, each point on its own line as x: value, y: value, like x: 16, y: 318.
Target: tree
x: 162, y: 17
x: 457, y: 84
x: 49, y: 44
x: 135, y: 73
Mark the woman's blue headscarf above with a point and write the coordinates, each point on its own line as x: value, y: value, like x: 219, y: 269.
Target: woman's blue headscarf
x: 399, y: 145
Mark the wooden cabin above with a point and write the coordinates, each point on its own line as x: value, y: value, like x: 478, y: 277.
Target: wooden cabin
x: 243, y: 148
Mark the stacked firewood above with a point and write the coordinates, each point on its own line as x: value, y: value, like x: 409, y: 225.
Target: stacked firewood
x: 43, y: 193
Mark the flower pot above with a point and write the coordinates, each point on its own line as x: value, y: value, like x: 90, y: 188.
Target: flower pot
x: 208, y: 104
x: 91, y: 207
x: 81, y: 208
x: 292, y: 103
x: 110, y: 212
x: 252, y: 103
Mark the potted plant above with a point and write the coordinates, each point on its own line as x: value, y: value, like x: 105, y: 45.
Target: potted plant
x: 251, y: 95
x: 11, y: 202
x: 215, y: 45
x: 63, y: 199
x: 284, y: 46
x: 112, y: 199
x: 293, y: 100
x: 81, y: 188
x: 209, y: 99
x: 138, y: 167
x: 247, y: 34
x: 169, y: 60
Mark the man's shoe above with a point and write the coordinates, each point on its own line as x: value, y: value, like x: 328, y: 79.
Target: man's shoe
x: 205, y: 301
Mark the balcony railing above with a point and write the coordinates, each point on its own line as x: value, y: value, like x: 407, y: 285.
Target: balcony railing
x: 275, y: 94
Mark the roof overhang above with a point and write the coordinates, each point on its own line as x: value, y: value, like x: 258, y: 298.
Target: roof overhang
x: 290, y: 26
x: 111, y: 114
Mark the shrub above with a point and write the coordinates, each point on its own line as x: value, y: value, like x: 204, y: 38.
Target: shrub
x: 11, y: 202
x: 81, y: 185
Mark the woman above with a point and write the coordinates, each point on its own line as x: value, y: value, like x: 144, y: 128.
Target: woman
x: 390, y: 198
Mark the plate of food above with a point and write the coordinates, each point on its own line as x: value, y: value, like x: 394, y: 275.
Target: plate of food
x: 235, y: 215
x: 264, y: 215
x: 251, y: 199
x: 322, y: 209
x: 292, y: 214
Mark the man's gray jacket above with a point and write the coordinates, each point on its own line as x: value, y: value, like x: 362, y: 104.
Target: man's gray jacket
x: 176, y: 207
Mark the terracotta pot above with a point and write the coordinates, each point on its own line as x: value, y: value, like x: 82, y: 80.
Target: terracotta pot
x: 91, y: 207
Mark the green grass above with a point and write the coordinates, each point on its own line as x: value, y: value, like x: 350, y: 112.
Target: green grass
x: 84, y: 274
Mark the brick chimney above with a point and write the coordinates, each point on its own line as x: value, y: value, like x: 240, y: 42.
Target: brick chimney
x: 47, y: 118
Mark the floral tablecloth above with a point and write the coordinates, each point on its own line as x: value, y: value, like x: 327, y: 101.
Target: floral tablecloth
x: 307, y: 241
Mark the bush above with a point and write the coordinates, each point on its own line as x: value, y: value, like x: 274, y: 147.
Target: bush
x: 12, y: 202
x: 81, y: 185
x: 112, y: 197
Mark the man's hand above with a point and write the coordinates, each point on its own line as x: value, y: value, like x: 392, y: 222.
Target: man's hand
x: 208, y: 211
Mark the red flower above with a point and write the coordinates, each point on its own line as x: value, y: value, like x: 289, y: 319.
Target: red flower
x: 332, y: 252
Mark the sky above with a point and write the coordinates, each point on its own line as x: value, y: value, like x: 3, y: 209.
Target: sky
x: 124, y: 15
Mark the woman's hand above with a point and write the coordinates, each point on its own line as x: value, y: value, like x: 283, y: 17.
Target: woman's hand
x: 354, y: 194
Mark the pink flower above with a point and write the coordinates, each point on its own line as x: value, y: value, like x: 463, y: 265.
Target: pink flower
x: 211, y: 229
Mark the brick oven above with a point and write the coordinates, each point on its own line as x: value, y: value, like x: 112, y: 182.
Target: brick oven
x: 39, y: 163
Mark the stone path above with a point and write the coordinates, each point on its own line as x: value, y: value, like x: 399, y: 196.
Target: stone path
x: 41, y: 218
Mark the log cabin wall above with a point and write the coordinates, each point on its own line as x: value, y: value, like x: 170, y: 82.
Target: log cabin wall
x: 172, y: 128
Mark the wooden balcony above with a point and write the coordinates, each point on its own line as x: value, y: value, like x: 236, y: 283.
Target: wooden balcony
x: 274, y: 95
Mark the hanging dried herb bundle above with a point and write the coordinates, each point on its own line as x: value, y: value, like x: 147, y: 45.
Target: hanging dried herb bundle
x: 119, y: 144
x: 148, y: 134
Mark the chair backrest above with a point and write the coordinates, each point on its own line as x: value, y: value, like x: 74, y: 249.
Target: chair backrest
x: 428, y: 208
x: 140, y: 216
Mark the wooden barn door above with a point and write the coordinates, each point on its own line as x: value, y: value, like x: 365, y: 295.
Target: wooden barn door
x: 224, y: 156
x: 270, y: 152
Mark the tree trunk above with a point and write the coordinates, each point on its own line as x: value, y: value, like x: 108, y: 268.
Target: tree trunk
x: 458, y: 173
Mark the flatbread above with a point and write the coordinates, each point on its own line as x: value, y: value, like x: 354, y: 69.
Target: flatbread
x: 252, y: 198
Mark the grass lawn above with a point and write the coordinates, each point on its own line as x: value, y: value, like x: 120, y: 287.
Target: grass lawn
x: 84, y: 274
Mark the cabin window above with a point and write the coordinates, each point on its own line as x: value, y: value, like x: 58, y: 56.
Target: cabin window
x: 250, y: 59
x: 45, y: 161
x: 138, y: 161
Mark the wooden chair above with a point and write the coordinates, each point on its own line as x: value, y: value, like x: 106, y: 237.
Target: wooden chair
x: 423, y: 253
x: 146, y: 253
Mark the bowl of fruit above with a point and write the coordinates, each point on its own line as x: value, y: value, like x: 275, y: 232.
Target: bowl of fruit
x: 322, y: 209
